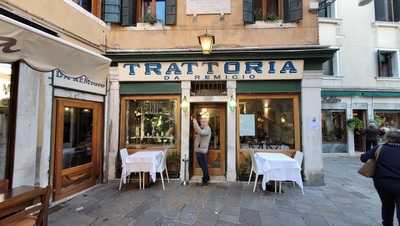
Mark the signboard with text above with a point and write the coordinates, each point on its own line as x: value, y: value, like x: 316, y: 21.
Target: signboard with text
x: 80, y: 83
x: 212, y: 70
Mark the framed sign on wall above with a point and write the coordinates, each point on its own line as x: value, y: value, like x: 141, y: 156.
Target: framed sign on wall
x: 194, y: 7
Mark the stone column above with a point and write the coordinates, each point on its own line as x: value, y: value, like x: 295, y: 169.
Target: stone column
x: 25, y: 155
x: 185, y: 130
x: 231, y: 133
x: 311, y: 127
x: 350, y: 132
x: 113, y: 123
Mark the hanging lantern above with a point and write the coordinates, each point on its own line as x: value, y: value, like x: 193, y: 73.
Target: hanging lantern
x: 207, y: 41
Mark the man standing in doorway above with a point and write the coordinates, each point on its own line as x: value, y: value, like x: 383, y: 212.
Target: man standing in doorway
x: 201, y: 142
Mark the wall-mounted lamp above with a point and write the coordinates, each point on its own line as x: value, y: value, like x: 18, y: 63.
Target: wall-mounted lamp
x: 206, y: 41
x: 185, y: 104
x: 232, y: 104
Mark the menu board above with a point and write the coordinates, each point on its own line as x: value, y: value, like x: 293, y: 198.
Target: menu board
x: 208, y: 6
x: 247, y: 125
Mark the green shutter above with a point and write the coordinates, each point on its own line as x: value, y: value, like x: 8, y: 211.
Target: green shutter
x: 293, y: 10
x: 380, y: 10
x: 248, y: 16
x: 396, y: 9
x: 170, y: 12
x: 249, y: 87
x: 128, y: 8
x: 150, y: 88
x: 112, y: 11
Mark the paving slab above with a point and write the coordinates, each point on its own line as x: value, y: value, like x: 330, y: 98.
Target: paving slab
x: 347, y: 199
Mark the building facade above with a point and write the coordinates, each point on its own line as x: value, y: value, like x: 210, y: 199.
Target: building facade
x: 260, y: 85
x: 54, y: 86
x: 360, y: 83
x: 132, y: 74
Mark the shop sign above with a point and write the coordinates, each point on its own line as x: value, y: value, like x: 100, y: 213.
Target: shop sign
x: 80, y: 83
x: 212, y: 70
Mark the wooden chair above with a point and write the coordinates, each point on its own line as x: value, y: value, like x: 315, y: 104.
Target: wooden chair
x: 3, y: 186
x: 25, y: 206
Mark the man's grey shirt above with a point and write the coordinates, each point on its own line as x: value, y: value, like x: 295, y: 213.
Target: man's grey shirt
x: 202, y: 138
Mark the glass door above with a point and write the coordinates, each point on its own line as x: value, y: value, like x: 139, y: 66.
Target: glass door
x: 216, y: 153
x: 78, y: 146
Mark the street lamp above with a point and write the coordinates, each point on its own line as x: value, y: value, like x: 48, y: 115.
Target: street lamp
x: 206, y: 41
x: 364, y: 2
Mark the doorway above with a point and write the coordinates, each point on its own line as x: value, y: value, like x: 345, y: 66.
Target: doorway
x: 359, y: 138
x: 217, y: 148
x: 78, y: 134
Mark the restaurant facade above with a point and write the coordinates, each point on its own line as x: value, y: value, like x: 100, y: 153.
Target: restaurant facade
x: 263, y: 102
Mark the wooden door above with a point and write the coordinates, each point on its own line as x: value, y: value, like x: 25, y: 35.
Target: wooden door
x: 216, y: 153
x: 78, y: 136
x: 359, y: 138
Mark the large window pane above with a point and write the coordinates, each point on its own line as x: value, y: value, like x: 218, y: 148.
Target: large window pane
x: 267, y: 123
x: 334, y: 131
x: 5, y: 84
x: 78, y: 127
x: 391, y: 119
x: 151, y: 122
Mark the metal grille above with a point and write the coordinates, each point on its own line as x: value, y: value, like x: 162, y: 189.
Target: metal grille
x: 215, y: 88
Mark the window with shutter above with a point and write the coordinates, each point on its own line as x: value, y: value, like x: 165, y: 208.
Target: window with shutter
x: 387, y: 63
x: 248, y: 16
x: 112, y: 11
x: 387, y: 10
x: 293, y: 10
x: 128, y: 12
x: 170, y: 12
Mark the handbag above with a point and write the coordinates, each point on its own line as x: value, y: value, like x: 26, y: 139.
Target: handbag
x: 368, y: 168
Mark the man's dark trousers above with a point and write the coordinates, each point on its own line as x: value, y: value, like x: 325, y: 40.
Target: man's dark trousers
x: 202, y: 160
x: 370, y: 144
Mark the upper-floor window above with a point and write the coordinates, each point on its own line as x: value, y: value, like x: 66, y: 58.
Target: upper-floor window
x: 328, y: 11
x: 331, y: 66
x: 272, y: 10
x: 86, y: 4
x: 148, y: 11
x: 91, y: 6
x: 388, y: 63
x: 269, y: 10
x: 387, y: 10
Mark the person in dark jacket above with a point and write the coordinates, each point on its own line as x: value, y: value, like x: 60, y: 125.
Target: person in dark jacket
x: 371, y: 136
x: 387, y: 175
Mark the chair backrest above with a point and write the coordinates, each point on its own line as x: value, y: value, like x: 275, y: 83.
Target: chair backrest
x: 124, y: 155
x: 164, y: 160
x: 299, y: 157
x: 32, y: 205
x: 253, y: 160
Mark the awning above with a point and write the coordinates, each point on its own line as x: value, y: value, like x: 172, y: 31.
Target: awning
x: 45, y: 52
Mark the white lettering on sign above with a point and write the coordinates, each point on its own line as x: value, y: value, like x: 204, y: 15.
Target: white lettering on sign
x: 81, y: 83
x: 212, y: 70
x: 194, y: 7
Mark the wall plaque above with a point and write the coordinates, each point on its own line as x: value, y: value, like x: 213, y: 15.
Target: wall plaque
x: 195, y: 7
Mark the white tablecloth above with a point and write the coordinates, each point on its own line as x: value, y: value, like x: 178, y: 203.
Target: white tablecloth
x: 278, y: 167
x: 145, y: 161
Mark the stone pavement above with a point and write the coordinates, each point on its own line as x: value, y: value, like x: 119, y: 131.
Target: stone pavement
x: 347, y: 200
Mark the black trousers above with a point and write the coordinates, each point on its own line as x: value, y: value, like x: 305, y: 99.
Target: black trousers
x: 370, y: 144
x: 202, y: 160
x: 389, y: 192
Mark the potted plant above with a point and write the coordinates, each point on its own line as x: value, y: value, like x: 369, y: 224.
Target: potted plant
x: 149, y: 18
x: 272, y: 18
x: 355, y: 123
